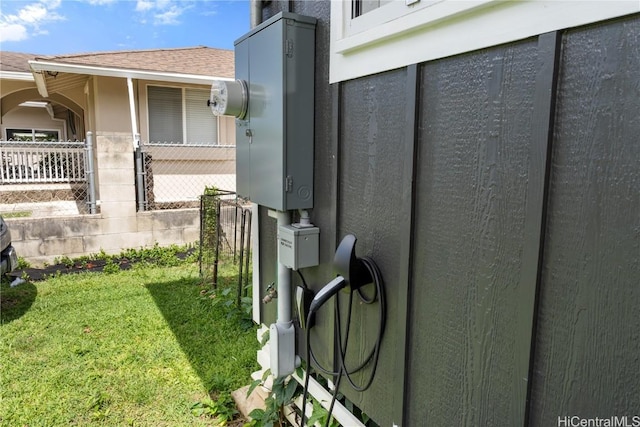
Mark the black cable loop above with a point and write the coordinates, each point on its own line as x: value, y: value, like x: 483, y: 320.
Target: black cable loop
x: 374, y: 356
x: 377, y: 280
x: 339, y: 329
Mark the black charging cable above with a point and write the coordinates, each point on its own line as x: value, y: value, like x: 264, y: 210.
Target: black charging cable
x: 372, y: 358
x: 304, y: 282
x: 382, y: 315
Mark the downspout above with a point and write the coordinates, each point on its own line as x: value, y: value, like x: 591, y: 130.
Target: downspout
x: 136, y: 146
x: 284, y: 281
x: 255, y: 13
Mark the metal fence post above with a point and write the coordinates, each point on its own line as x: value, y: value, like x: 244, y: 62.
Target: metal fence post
x: 91, y: 196
x: 217, y: 243
x: 140, y: 176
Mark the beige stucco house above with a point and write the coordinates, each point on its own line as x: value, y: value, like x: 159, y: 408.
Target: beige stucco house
x: 155, y: 99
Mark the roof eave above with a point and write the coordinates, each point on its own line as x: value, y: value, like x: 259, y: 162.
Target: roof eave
x: 16, y: 75
x: 37, y: 66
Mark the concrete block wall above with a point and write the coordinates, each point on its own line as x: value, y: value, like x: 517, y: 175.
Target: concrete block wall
x: 118, y: 226
x: 41, y: 240
x: 115, y: 175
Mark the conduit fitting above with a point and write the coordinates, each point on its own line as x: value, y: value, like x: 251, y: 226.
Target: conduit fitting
x: 305, y: 220
x: 271, y: 294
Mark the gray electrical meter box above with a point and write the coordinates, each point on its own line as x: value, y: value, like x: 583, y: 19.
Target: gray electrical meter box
x: 274, y: 139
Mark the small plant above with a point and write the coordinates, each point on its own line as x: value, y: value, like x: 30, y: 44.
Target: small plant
x: 319, y: 416
x: 111, y: 267
x: 23, y: 263
x: 226, y: 298
x: 171, y: 256
x: 68, y: 262
x: 56, y: 274
x: 222, y: 410
x: 98, y: 404
x: 283, y: 392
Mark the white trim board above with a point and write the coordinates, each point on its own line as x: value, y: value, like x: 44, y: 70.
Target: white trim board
x: 39, y: 66
x: 16, y: 75
x: 450, y: 27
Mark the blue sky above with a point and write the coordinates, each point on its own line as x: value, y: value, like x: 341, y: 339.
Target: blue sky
x: 50, y: 27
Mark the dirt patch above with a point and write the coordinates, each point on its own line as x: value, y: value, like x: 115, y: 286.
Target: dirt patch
x: 97, y: 265
x: 36, y: 274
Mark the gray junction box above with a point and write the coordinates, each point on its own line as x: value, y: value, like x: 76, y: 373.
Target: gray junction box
x: 274, y: 141
x: 298, y: 247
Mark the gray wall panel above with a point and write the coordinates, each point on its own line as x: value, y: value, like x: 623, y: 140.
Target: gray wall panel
x: 467, y: 346
x: 588, y: 335
x: 268, y: 263
x: 372, y: 163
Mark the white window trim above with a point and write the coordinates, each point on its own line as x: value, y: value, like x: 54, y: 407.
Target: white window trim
x: 396, y: 35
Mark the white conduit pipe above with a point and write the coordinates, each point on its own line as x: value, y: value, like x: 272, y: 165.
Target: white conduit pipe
x: 136, y: 147
x: 284, y: 279
x: 132, y: 110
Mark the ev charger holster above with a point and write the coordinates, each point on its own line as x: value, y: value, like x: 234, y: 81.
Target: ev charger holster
x: 303, y: 298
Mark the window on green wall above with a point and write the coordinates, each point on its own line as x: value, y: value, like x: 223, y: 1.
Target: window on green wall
x: 180, y: 116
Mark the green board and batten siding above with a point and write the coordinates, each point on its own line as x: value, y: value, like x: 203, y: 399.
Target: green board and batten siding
x: 499, y: 191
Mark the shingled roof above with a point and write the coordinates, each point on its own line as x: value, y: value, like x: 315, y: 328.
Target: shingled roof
x: 199, y: 60
x: 15, y: 61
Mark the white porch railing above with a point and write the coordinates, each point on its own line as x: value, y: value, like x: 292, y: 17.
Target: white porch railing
x: 42, y: 162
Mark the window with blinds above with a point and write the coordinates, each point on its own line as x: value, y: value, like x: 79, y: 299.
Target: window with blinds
x: 180, y: 116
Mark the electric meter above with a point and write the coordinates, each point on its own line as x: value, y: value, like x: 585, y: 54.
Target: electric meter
x: 228, y: 98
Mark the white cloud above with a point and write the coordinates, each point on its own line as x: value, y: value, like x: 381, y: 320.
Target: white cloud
x: 51, y: 4
x: 164, y: 12
x: 12, y: 32
x: 168, y: 17
x: 163, y: 4
x: 144, y: 5
x: 100, y: 2
x: 27, y: 21
x: 32, y: 13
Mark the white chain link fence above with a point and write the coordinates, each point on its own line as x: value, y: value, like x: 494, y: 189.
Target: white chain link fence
x: 39, y: 179
x: 176, y: 175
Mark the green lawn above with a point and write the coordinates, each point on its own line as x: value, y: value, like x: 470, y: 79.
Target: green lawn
x: 136, y: 348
